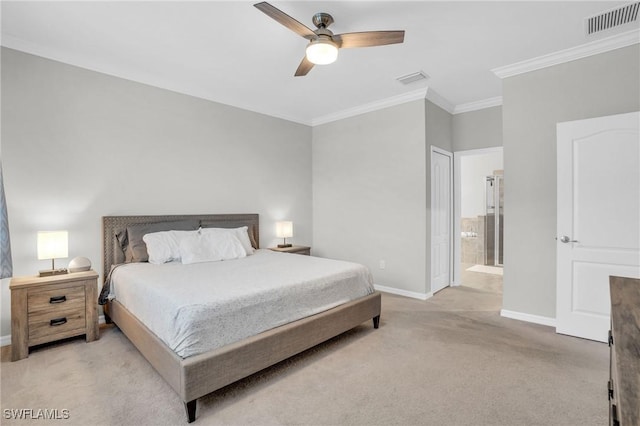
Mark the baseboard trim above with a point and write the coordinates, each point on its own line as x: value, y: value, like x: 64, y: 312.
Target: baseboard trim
x: 405, y: 293
x: 6, y: 340
x: 521, y: 316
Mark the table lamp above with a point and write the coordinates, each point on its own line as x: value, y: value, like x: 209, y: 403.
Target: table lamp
x: 53, y: 245
x: 284, y: 230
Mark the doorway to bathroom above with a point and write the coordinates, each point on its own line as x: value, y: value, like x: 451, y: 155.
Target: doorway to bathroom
x: 479, y: 219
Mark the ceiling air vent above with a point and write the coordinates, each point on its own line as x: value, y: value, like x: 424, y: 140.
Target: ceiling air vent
x: 612, y: 18
x: 412, y: 78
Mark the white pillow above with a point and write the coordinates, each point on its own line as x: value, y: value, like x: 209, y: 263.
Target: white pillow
x: 210, y: 247
x: 242, y: 234
x: 164, y: 246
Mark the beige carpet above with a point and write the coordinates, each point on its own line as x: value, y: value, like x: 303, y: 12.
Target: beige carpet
x: 496, y: 270
x: 450, y: 360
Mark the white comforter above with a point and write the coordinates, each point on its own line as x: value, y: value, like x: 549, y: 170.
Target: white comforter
x: 203, y: 306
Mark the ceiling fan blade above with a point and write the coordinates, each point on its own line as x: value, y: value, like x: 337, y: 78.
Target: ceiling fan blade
x: 368, y: 38
x: 304, y: 67
x: 286, y: 20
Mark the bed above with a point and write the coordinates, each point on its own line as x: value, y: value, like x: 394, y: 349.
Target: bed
x: 201, y: 372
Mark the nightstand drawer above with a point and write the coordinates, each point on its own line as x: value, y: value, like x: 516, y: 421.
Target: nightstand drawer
x: 49, y: 326
x: 57, y: 300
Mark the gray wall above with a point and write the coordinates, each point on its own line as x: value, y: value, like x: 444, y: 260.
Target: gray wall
x: 477, y: 129
x: 439, y: 127
x: 369, y: 193
x: 371, y: 190
x: 438, y: 133
x: 473, y: 130
x: 78, y: 145
x: 533, y: 103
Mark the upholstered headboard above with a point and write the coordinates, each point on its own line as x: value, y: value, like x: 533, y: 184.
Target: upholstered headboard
x: 114, y: 225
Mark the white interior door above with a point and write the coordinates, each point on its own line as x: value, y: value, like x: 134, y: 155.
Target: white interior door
x: 441, y: 212
x: 598, y: 218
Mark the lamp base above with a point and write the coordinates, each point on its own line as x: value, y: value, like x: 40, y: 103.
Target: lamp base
x: 52, y: 272
x: 284, y: 245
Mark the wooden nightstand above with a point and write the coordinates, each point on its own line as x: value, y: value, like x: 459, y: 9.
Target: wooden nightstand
x: 293, y: 249
x: 45, y: 309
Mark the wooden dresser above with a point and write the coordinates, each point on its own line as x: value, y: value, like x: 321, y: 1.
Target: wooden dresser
x: 624, y: 340
x: 45, y: 309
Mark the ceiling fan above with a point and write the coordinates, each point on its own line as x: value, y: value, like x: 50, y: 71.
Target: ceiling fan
x: 323, y: 44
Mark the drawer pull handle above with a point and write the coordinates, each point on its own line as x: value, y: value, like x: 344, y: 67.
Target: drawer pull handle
x: 57, y: 321
x: 57, y: 299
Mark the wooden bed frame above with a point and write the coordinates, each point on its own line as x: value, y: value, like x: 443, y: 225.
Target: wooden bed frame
x: 199, y: 375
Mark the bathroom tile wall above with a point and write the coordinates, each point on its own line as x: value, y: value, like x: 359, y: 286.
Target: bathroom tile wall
x: 472, y: 229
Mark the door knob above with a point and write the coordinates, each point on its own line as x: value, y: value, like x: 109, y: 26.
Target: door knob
x: 565, y: 239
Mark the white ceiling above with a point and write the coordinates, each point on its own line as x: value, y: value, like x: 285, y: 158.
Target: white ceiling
x: 230, y: 52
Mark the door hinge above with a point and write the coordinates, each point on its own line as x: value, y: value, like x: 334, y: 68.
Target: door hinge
x: 610, y: 338
x: 614, y: 415
x: 610, y: 389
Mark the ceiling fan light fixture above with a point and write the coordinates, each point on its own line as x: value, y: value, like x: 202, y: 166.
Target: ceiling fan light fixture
x: 323, y: 46
x: 322, y: 51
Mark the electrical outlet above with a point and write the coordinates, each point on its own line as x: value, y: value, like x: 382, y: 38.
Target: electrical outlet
x: 383, y: 264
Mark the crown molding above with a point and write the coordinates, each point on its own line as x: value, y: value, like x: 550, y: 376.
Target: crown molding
x: 26, y: 47
x: 593, y: 48
x: 437, y: 99
x: 476, y: 105
x: 105, y: 68
x: 371, y: 106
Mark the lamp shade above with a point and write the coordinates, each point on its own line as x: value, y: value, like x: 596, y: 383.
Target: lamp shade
x: 284, y: 229
x: 322, y: 51
x: 53, y: 245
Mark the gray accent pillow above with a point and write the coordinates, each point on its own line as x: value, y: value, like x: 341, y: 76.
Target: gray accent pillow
x: 135, y: 249
x: 252, y: 237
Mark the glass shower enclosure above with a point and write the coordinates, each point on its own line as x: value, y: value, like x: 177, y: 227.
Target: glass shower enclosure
x: 493, y: 224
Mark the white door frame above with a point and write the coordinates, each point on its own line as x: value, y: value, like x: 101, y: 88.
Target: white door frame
x: 435, y: 149
x: 457, y: 213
